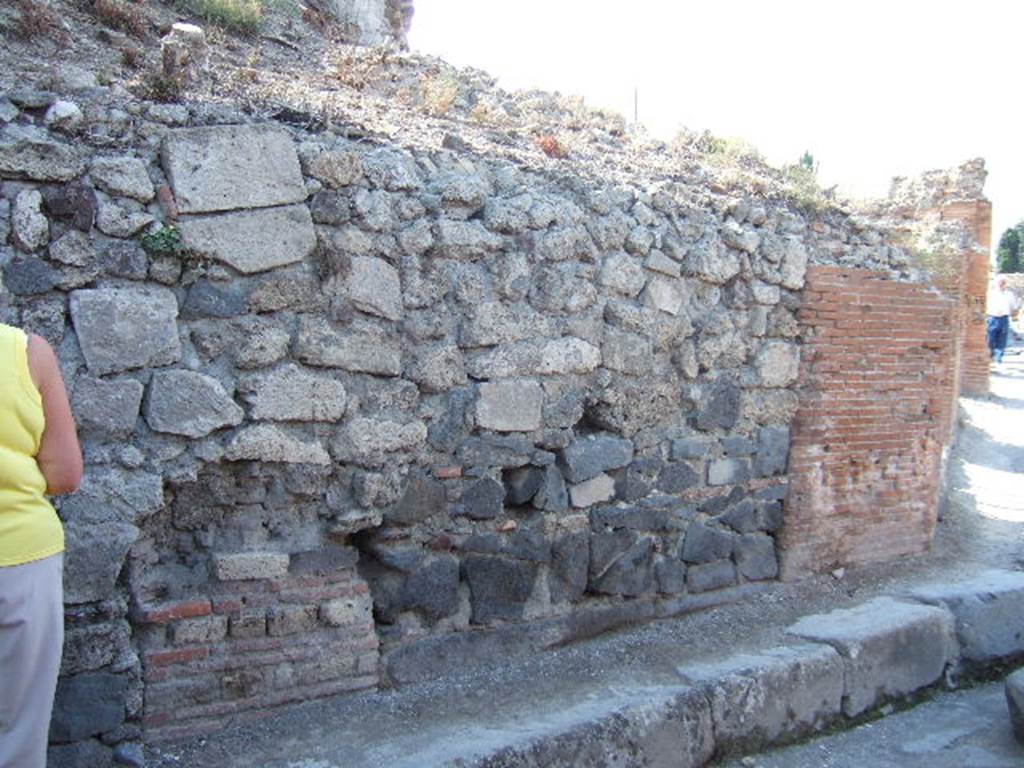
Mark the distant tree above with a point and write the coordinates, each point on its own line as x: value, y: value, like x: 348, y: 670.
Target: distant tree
x: 1010, y: 253
x: 807, y: 162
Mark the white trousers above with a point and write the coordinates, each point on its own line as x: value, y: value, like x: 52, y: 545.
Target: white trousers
x: 31, y: 638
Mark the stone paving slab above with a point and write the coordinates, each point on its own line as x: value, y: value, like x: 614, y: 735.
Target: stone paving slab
x: 890, y: 648
x: 989, y: 612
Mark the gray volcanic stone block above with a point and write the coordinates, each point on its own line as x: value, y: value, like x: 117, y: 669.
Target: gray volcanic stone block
x: 190, y: 404
x: 772, y: 451
x: 720, y: 407
x: 250, y: 565
x: 264, y: 442
x: 107, y: 408
x: 755, y: 557
x: 522, y: 484
x: 221, y: 168
x: 621, y: 563
x: 432, y: 589
x: 29, y: 276
x: 705, y: 543
x: 590, y: 456
x: 567, y: 576
x: 252, y: 241
x: 483, y: 500
x: 989, y: 613
x: 123, y: 328
x: 30, y: 153
x: 677, y: 477
x: 88, y: 705
x: 763, y: 697
x: 209, y: 299
x: 374, y: 287
x: 1015, y: 703
x: 553, y: 495
x: 510, y: 406
x: 709, y: 576
x: 889, y: 648
x: 93, y: 558
x: 124, y: 176
x: 424, y: 497
x: 498, y: 588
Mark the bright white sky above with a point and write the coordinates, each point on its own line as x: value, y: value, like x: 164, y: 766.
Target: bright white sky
x: 872, y: 89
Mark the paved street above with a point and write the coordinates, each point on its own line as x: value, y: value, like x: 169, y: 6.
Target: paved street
x: 963, y: 729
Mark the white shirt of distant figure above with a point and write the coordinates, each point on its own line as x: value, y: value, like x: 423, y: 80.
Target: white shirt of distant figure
x: 1001, y: 300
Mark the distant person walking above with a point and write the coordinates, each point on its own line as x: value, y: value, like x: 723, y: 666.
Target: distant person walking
x: 1001, y: 303
x: 39, y: 455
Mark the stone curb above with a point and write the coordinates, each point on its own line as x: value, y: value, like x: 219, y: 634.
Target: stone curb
x: 850, y: 661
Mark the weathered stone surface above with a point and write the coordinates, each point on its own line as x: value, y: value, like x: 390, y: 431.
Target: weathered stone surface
x: 252, y: 241
x: 779, y: 693
x: 93, y: 557
x: 189, y: 403
x: 439, y: 368
x: 988, y: 609
x: 778, y: 363
x: 567, y: 575
x: 29, y: 226
x: 509, y: 406
x: 264, y: 442
x: 621, y: 563
x: 705, y: 543
x: 335, y: 168
x: 709, y: 576
x: 366, y: 441
x: 889, y: 648
x: 728, y: 471
x: 755, y: 557
x: 125, y: 176
x: 31, y: 153
x: 772, y: 451
x: 73, y: 201
x: 552, y: 496
x: 464, y: 239
x: 590, y: 456
x: 29, y: 276
x: 114, y: 494
x: 664, y: 295
x: 592, y: 491
x: 291, y: 393
x: 525, y: 544
x: 220, y: 168
x: 627, y: 352
x: 107, y: 408
x: 88, y: 705
x: 720, y: 408
x: 483, y: 500
x: 432, y: 589
x: 242, y: 566
x: 623, y: 274
x: 492, y: 323
x: 361, y: 348
x: 120, y: 218
x: 711, y: 261
x: 568, y: 355
x: 423, y: 498
x: 522, y: 484
x: 498, y: 588
x: 124, y: 328
x: 1015, y: 703
x: 374, y: 287
x: 677, y: 477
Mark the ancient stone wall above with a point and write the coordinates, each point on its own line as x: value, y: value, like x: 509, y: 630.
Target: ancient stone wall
x: 358, y: 415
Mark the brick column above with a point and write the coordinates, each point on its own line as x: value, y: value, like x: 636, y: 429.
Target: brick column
x: 876, y: 387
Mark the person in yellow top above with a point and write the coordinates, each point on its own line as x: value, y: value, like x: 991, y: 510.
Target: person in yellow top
x: 39, y: 456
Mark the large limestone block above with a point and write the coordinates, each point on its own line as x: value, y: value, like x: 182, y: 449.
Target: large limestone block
x: 293, y: 394
x: 190, y: 404
x: 358, y: 348
x: 762, y: 697
x: 889, y: 648
x: 94, y: 555
x: 123, y: 328
x: 252, y: 241
x: 225, y: 167
x: 989, y: 612
x: 31, y: 153
x: 510, y: 406
x: 265, y: 442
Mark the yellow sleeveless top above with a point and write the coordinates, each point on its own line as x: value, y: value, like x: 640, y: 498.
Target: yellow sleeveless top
x: 29, y: 527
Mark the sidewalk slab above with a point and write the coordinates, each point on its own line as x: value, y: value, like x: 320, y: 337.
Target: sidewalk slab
x: 659, y: 728
x: 989, y: 613
x: 889, y: 648
x: 770, y: 696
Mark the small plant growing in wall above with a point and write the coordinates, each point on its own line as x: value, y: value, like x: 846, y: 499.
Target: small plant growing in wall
x: 166, y: 243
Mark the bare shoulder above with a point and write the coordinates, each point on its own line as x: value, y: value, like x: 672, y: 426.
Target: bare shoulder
x: 42, y: 361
